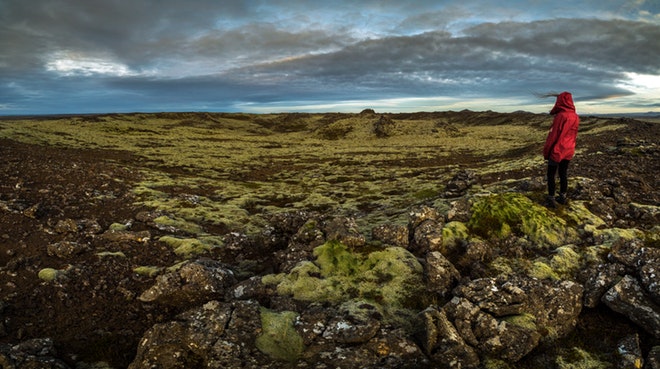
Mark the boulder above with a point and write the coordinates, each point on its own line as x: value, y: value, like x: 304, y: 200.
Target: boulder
x: 441, y: 275
x: 344, y: 230
x: 600, y: 279
x: 506, y: 318
x: 35, y: 353
x: 195, y: 282
x: 426, y: 237
x: 628, y: 298
x: 391, y: 234
x: 460, y: 183
x: 215, y: 335
x: 442, y: 342
x: 629, y: 353
x: 300, y: 246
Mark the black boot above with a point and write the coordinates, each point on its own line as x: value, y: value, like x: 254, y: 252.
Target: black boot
x: 550, y: 202
x: 562, y: 199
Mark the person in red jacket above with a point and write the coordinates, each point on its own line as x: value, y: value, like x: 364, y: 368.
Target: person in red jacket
x: 559, y: 147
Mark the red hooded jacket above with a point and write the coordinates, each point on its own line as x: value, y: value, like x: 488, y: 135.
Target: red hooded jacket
x: 560, y: 144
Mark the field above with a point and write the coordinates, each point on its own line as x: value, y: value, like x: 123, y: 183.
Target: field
x: 202, y: 176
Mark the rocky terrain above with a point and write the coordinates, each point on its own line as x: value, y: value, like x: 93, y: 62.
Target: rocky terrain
x: 473, y: 274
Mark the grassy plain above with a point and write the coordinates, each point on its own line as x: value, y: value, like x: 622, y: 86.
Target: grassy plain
x: 233, y: 170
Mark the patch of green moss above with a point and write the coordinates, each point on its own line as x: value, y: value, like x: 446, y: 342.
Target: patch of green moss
x: 186, y: 247
x: 609, y: 236
x: 279, y: 339
x: 652, y: 237
x: 179, y: 224
x: 49, y: 274
x: 499, y: 216
x: 453, y: 233
x: 117, y: 227
x: 566, y: 261
x: 526, y: 321
x: 579, y: 216
x: 542, y: 270
x: 577, y: 358
x: 391, y: 278
x: 111, y: 253
x: 148, y: 271
x: 496, y: 364
x: 426, y: 194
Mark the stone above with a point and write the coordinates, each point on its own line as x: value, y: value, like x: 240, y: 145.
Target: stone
x: 653, y: 358
x: 65, y: 226
x: 118, y: 235
x: 344, y: 230
x: 35, y: 353
x: 215, y: 335
x: 391, y: 234
x: 66, y: 249
x: 441, y: 275
x: 628, y: 298
x: 460, y: 183
x: 426, y: 237
x: 195, y: 282
x: 601, y: 279
x: 629, y: 353
x: 508, y: 317
x: 357, y: 322
x: 442, y: 342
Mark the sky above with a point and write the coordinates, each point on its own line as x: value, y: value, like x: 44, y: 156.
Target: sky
x: 263, y: 56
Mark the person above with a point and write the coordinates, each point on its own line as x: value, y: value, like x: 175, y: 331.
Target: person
x: 559, y: 146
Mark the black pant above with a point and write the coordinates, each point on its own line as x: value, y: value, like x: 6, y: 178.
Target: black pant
x: 563, y: 176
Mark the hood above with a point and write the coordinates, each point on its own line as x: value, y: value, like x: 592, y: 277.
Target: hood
x: 564, y: 103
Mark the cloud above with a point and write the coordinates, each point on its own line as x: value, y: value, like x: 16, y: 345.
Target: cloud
x: 170, y: 54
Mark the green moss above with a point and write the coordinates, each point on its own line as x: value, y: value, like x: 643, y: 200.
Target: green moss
x: 542, y: 270
x: 177, y: 223
x: 279, y: 339
x: 610, y: 235
x: 565, y: 262
x: 49, y: 274
x: 496, y: 364
x: 148, y: 271
x: 186, y: 247
x: 577, y: 358
x: 527, y: 321
x: 334, y: 259
x: 117, y: 227
x: 502, y: 215
x: 426, y: 194
x: 390, y: 278
x: 110, y: 253
x: 453, y: 233
x: 652, y: 237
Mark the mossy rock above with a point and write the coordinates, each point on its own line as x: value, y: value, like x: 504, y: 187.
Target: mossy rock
x: 49, y: 274
x: 186, y: 247
x: 279, y: 338
x: 390, y: 278
x: 577, y: 358
x: 499, y: 216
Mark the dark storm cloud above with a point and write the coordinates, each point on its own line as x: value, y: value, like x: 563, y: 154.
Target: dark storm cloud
x: 589, y: 55
x: 206, y: 54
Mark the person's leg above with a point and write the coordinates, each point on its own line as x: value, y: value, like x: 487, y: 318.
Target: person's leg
x: 552, y: 170
x: 563, y: 181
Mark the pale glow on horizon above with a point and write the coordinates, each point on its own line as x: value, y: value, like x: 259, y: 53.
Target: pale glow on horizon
x: 396, y: 105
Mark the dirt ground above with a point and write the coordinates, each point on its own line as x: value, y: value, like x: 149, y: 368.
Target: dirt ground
x: 92, y: 314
